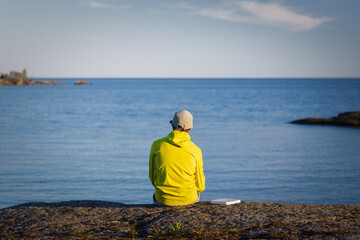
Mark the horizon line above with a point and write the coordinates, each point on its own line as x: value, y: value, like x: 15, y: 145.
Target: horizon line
x: 196, y: 77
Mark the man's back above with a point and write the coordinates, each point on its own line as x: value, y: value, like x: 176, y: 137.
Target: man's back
x: 176, y: 169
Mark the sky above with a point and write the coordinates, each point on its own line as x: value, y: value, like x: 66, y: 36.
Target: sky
x: 181, y: 38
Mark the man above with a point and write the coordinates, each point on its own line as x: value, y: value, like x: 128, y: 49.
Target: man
x: 176, y: 165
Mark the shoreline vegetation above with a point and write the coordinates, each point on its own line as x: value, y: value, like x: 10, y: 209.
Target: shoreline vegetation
x: 15, y: 78
x: 203, y: 220
x: 351, y: 119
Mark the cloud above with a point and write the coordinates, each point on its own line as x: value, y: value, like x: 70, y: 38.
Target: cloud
x: 185, y: 6
x: 273, y: 14
x: 278, y: 15
x: 224, y: 14
x: 97, y: 5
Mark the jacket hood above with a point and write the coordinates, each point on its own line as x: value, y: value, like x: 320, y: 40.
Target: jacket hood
x: 179, y: 138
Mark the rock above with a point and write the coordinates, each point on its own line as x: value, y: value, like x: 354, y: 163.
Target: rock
x: 20, y: 79
x: 31, y: 82
x: 246, y: 220
x: 7, y: 82
x: 20, y: 82
x: 46, y: 83
x: 343, y: 119
x: 54, y: 83
x: 81, y: 83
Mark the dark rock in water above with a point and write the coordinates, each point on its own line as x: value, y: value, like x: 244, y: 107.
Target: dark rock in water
x: 81, y: 83
x: 343, y: 119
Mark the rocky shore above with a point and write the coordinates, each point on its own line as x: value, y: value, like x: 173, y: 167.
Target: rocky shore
x: 203, y: 220
x: 15, y: 78
x: 21, y: 82
x: 343, y: 119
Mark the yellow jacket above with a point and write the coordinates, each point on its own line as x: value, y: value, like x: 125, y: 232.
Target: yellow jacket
x: 176, y: 169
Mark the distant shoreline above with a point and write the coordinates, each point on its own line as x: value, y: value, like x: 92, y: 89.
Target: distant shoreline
x: 14, y: 78
x: 32, y: 82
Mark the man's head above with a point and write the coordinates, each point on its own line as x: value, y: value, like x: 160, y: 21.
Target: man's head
x: 182, y: 121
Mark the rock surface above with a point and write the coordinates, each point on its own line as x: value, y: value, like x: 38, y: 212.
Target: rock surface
x: 343, y: 119
x: 246, y: 220
x: 81, y: 83
x: 20, y: 82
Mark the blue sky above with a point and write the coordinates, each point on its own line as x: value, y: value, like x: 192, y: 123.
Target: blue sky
x: 173, y: 38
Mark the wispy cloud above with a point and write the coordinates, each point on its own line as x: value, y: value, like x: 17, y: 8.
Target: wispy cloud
x: 185, y: 6
x: 279, y: 15
x: 273, y: 14
x: 225, y: 14
x: 96, y: 4
x: 101, y: 5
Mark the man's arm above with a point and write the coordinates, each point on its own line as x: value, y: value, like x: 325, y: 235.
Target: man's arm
x: 151, y: 165
x: 199, y: 174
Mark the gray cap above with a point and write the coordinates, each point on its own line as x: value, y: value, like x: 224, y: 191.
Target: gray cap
x: 182, y: 119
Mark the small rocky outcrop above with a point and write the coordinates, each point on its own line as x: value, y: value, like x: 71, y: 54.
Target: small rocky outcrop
x: 46, y: 83
x: 343, y: 119
x: 21, y: 82
x: 203, y: 220
x: 20, y: 79
x: 81, y: 83
x: 6, y: 82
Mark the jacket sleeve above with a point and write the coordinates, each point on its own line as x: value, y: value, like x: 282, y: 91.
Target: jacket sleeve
x: 199, y: 174
x: 151, y: 165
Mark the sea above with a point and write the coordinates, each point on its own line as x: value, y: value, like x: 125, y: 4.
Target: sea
x: 60, y: 143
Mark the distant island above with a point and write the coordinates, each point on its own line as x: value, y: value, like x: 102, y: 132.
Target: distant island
x: 351, y: 119
x: 14, y: 78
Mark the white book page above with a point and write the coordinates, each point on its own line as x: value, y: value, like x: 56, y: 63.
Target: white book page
x: 225, y: 201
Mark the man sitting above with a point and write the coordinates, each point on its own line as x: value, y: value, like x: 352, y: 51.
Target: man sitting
x: 176, y: 165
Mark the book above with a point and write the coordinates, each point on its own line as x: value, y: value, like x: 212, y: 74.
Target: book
x: 225, y: 201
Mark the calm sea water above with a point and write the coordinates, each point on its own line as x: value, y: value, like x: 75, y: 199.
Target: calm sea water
x: 92, y: 142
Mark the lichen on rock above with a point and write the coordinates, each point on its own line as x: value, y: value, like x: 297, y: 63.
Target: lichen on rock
x: 247, y: 220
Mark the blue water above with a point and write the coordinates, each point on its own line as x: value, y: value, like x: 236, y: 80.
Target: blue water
x: 71, y: 142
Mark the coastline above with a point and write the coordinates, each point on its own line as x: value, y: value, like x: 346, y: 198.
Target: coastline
x: 111, y: 220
